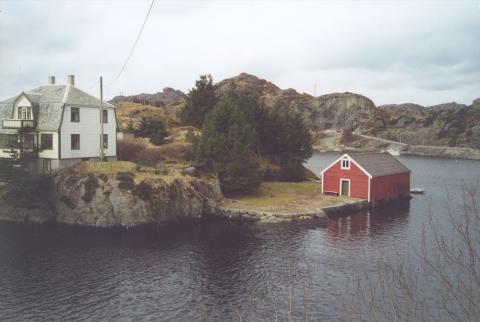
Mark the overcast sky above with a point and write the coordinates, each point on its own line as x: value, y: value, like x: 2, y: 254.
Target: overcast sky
x: 392, y: 52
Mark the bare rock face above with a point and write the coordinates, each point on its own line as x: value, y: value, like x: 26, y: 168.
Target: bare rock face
x: 447, y: 125
x: 476, y: 103
x: 337, y: 110
x: 251, y: 84
x: 116, y: 200
x: 345, y: 110
x: 99, y: 200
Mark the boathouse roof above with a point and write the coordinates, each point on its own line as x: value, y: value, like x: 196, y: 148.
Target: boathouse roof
x: 379, y: 164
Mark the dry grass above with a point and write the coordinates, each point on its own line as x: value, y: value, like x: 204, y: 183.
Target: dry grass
x: 140, y: 172
x: 109, y: 167
x: 284, y: 197
x: 163, y: 171
x: 168, y: 175
x: 179, y: 134
x: 133, y: 113
x: 170, y: 151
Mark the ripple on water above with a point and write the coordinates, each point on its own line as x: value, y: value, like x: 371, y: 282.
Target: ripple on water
x: 58, y: 273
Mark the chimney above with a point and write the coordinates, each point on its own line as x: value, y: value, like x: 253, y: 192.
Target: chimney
x: 71, y: 80
x: 51, y: 80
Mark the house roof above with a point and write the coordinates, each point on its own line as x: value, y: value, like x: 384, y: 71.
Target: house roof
x: 48, y: 102
x: 379, y: 164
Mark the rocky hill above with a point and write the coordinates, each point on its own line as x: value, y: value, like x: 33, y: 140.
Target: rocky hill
x: 337, y: 110
x: 168, y: 96
x: 449, y: 124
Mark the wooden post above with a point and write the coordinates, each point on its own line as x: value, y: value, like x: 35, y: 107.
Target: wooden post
x: 102, y: 154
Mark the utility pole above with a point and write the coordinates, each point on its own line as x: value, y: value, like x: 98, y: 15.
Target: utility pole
x: 102, y: 155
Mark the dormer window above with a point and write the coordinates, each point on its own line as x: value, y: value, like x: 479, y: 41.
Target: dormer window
x: 345, y: 164
x: 24, y: 113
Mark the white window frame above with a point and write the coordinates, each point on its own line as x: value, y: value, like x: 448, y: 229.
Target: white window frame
x: 347, y: 167
x: 25, y: 113
x: 44, y: 135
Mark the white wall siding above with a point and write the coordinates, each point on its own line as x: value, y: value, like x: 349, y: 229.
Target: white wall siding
x: 89, y: 130
x: 49, y: 154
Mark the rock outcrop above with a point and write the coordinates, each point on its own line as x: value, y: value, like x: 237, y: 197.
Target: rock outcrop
x: 166, y: 97
x: 336, y: 110
x: 448, y: 125
x: 100, y: 200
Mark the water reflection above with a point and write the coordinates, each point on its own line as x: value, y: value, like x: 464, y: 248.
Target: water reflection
x: 61, y: 273
x: 367, y: 224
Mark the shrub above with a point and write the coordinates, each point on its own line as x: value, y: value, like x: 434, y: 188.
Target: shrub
x: 347, y: 136
x: 68, y: 202
x: 90, y: 185
x: 153, y: 128
x: 241, y: 176
x: 128, y: 150
x: 293, y: 171
x: 126, y: 180
x: 30, y: 190
x: 163, y: 172
x: 150, y: 157
x: 144, y: 190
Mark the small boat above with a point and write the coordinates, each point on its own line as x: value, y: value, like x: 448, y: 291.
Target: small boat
x: 417, y: 191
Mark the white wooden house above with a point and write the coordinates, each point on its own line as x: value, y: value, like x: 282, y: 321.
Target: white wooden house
x: 62, y: 121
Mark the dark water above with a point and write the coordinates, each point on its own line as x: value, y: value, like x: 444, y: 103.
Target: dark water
x: 214, y: 270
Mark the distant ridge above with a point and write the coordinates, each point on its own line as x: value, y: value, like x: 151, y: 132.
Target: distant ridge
x: 166, y: 97
x: 448, y: 124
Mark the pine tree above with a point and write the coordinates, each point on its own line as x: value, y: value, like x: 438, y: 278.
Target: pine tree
x: 227, y: 141
x: 285, y: 138
x: 238, y: 131
x: 199, y: 101
x: 153, y: 128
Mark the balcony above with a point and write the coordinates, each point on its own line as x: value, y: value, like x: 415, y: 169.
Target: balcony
x: 17, y: 124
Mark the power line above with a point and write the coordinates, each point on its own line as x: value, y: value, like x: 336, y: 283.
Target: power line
x: 131, y: 51
x: 134, y: 45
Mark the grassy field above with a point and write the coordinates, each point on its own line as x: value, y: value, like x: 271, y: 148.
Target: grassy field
x: 283, y: 197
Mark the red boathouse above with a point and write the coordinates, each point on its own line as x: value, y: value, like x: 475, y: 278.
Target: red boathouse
x: 371, y: 176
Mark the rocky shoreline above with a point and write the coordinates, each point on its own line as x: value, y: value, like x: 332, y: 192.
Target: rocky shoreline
x: 404, y: 149
x: 309, y: 214
x: 125, y: 199
x: 116, y: 200
x: 440, y: 152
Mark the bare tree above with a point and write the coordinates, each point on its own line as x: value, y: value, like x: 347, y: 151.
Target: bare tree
x: 439, y: 282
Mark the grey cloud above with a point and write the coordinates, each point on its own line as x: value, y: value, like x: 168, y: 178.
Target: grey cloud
x: 390, y: 51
